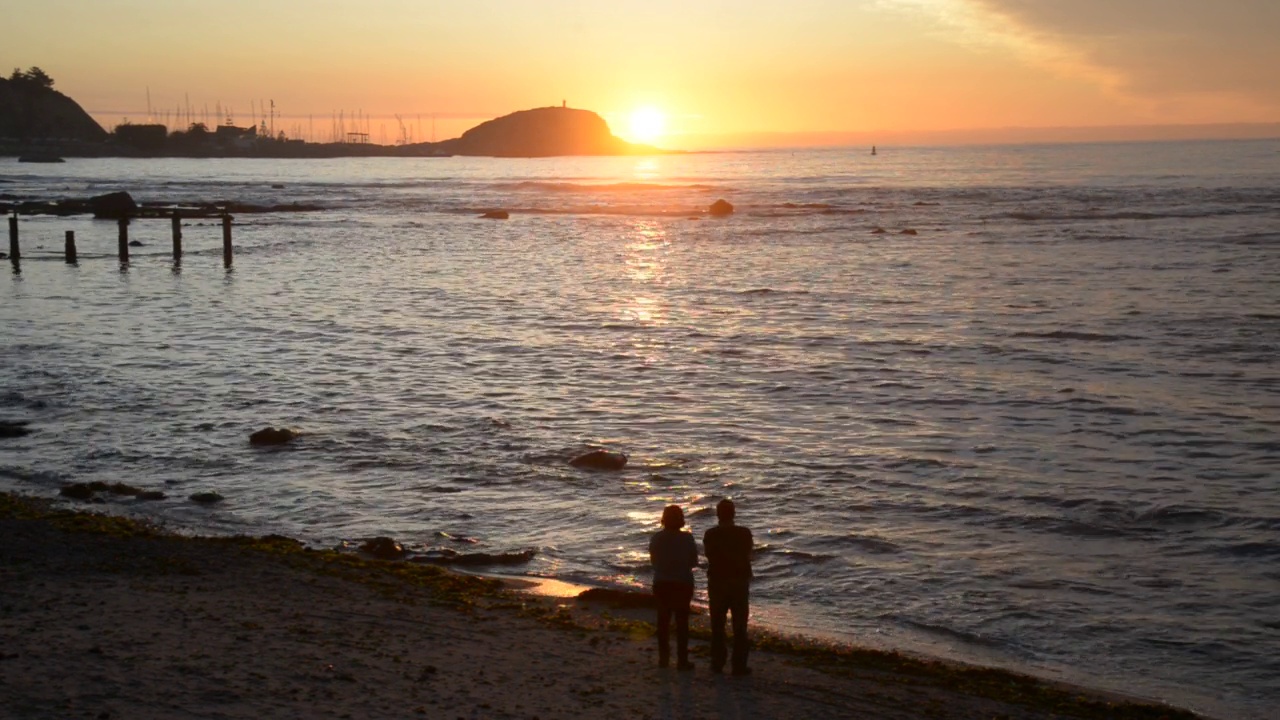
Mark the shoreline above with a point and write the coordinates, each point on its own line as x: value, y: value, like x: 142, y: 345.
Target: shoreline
x: 100, y: 613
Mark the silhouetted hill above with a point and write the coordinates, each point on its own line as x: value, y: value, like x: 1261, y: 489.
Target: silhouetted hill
x: 33, y: 112
x: 541, y: 132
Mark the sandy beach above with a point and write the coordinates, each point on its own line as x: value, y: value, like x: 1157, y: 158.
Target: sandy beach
x: 102, y: 617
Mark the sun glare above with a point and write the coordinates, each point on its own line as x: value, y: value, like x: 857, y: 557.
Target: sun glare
x: 647, y: 125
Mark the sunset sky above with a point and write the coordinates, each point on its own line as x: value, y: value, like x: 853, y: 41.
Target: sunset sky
x: 698, y: 72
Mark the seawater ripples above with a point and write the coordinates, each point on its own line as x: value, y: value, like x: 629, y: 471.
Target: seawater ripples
x: 1041, y: 432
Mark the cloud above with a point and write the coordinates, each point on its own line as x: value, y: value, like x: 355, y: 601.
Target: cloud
x: 1163, y: 51
x: 1154, y: 48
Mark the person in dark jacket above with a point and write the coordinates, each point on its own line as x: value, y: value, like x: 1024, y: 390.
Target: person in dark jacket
x: 728, y: 548
x: 673, y: 554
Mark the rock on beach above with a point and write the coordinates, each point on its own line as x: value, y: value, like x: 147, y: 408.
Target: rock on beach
x: 87, y: 491
x: 383, y: 548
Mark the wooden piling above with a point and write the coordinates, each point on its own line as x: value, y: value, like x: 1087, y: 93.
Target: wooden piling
x: 177, y: 236
x: 71, y: 247
x: 226, y: 240
x: 124, y: 240
x: 15, y: 252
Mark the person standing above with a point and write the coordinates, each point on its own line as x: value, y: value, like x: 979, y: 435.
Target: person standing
x: 674, y: 555
x: 728, y: 548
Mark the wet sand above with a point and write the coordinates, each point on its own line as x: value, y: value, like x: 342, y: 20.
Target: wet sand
x: 106, y: 618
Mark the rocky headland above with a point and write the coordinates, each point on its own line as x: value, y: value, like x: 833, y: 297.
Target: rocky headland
x: 542, y: 132
x: 31, y: 111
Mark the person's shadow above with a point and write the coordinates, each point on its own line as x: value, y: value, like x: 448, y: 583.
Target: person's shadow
x: 675, y: 696
x: 734, y: 698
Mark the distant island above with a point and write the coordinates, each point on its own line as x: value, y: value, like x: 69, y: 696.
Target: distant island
x: 542, y: 132
x: 38, y: 121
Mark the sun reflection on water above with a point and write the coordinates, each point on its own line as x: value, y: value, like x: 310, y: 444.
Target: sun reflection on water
x: 647, y: 168
x: 646, y: 252
x: 645, y: 517
x: 645, y: 260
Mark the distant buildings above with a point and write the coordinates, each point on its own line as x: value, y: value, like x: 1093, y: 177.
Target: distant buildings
x: 142, y: 137
x: 230, y: 136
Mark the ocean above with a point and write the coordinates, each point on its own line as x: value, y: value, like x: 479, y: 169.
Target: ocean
x: 1017, y: 406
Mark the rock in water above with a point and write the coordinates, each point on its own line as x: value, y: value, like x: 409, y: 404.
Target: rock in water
x: 383, y: 548
x: 76, y: 491
x: 496, y: 215
x: 114, y: 205
x: 600, y: 460
x: 206, y: 498
x: 720, y: 208
x: 272, y: 436
x: 10, y: 429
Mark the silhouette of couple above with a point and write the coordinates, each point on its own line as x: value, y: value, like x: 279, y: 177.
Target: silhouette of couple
x: 674, y: 555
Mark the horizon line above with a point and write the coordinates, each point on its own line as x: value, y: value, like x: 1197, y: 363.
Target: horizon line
x: 784, y: 139
x: 473, y: 115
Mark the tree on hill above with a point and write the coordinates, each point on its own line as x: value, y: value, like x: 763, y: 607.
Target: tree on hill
x: 31, y: 109
x: 34, y: 79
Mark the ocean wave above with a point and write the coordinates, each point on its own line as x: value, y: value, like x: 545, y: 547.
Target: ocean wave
x: 794, y: 209
x: 1098, y: 406
x: 921, y: 463
x: 871, y: 544
x: 771, y: 291
x: 964, y: 636
x: 1254, y: 239
x: 618, y: 187
x: 13, y: 398
x: 449, y: 556
x: 1073, y: 335
x: 1182, y: 516
x: 1103, y: 518
x: 26, y: 474
x: 1049, y: 216
x: 1254, y: 549
x: 795, y: 556
x: 809, y: 206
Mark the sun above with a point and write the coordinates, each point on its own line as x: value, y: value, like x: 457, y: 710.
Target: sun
x: 648, y: 125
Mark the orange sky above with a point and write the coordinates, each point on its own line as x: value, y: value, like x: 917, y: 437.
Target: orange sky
x: 719, y: 71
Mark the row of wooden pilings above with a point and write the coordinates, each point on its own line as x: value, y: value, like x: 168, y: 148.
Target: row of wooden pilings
x: 71, y: 255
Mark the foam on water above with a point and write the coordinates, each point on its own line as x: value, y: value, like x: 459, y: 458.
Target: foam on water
x: 1041, y: 432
